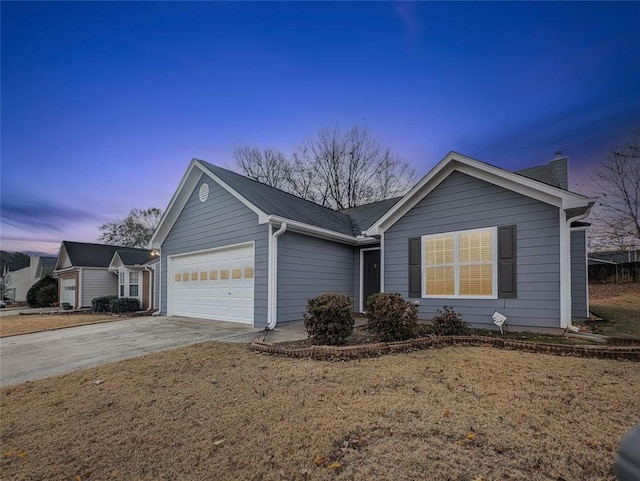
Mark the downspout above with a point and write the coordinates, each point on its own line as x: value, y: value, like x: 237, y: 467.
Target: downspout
x: 272, y: 313
x: 157, y: 313
x: 569, y: 221
x: 150, y: 271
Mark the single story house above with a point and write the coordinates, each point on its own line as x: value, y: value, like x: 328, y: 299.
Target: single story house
x: 468, y: 235
x: 137, y: 276
x: 18, y: 282
x: 86, y: 271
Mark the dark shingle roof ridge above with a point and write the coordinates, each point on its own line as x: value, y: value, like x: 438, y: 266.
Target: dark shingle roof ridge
x: 138, y: 249
x: 114, y: 246
x: 297, y: 197
x: 93, y: 244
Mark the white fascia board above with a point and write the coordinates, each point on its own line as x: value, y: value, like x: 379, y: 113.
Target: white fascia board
x: 181, y: 196
x: 177, y: 202
x: 480, y: 170
x: 63, y: 270
x: 115, y: 263
x: 59, y: 259
x: 320, y: 232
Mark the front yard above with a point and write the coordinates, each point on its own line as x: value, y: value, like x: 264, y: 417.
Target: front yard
x: 221, y: 411
x: 619, y: 305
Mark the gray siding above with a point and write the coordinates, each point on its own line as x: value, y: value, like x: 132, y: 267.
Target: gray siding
x: 463, y: 202
x: 97, y: 283
x: 220, y: 221
x: 308, y: 267
x: 579, y: 285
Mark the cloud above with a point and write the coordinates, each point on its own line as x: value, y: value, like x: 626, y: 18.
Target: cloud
x: 407, y: 11
x: 44, y: 216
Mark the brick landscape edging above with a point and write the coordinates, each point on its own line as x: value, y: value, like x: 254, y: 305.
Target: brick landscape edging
x: 627, y: 353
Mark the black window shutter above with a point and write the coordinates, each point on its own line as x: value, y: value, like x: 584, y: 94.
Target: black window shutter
x: 507, y: 261
x: 415, y: 268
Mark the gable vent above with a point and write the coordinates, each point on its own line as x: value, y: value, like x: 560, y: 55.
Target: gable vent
x: 204, y: 192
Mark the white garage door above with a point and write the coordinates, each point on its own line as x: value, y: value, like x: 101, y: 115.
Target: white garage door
x: 216, y: 285
x: 69, y: 291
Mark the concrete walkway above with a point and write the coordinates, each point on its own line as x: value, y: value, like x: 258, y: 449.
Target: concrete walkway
x: 43, y: 354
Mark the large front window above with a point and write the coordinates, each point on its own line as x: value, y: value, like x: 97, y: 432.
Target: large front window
x: 134, y: 284
x: 460, y: 264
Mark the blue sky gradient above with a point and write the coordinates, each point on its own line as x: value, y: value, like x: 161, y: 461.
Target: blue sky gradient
x: 104, y: 104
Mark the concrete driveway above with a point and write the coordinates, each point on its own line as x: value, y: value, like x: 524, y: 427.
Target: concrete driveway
x: 43, y: 354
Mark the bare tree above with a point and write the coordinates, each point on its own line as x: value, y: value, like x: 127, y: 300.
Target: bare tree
x: 135, y: 230
x: 268, y: 166
x: 616, y: 217
x: 335, y: 169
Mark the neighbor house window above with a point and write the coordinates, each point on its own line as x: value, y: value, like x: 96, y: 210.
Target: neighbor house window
x: 460, y: 264
x: 121, y: 282
x: 134, y: 284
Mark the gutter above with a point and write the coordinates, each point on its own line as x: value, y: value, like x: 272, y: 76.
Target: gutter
x: 272, y: 303
x: 321, y: 232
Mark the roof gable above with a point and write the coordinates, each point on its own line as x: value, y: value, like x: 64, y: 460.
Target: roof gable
x: 483, y: 171
x: 267, y: 202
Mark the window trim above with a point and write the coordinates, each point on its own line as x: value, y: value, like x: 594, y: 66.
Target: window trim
x: 131, y: 284
x: 121, y: 284
x: 456, y: 264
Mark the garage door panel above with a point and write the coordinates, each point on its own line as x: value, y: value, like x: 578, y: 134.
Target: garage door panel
x: 217, y: 285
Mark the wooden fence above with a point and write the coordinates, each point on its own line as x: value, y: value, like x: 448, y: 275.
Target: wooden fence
x: 614, y: 273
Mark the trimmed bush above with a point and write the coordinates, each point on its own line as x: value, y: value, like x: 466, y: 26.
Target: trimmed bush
x: 329, y: 319
x: 102, y: 304
x: 124, y: 304
x: 43, y: 293
x: 391, y: 317
x: 449, y: 323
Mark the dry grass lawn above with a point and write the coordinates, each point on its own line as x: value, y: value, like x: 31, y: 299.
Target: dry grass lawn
x: 220, y: 411
x: 619, y: 305
x: 13, y: 325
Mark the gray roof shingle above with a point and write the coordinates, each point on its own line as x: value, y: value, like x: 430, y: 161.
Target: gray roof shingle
x: 82, y: 254
x: 363, y: 216
x: 277, y: 202
x: 130, y: 257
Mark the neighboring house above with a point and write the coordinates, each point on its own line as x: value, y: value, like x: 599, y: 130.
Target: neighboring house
x: 45, y: 266
x: 468, y: 235
x: 18, y: 282
x: 614, y: 257
x: 86, y: 271
x: 136, y: 273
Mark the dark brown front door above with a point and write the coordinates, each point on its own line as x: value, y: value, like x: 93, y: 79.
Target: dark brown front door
x: 370, y: 274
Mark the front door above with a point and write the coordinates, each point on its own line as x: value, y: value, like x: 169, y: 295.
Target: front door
x: 370, y: 275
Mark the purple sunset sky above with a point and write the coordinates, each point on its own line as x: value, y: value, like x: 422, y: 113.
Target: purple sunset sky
x: 104, y: 104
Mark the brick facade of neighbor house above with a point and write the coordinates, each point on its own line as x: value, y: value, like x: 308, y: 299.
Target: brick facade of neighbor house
x: 145, y: 291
